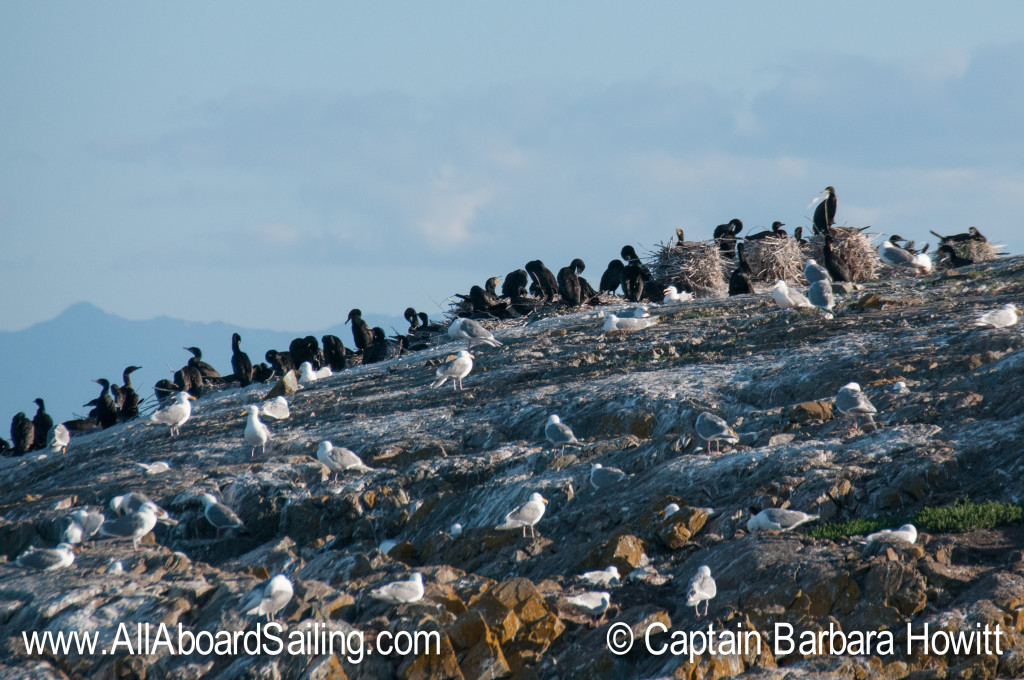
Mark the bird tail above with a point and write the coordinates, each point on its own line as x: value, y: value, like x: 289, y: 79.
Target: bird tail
x: 492, y: 342
x: 509, y: 524
x: 440, y: 381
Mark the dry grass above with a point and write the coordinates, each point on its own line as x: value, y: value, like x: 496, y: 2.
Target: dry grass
x: 774, y: 259
x: 979, y: 251
x: 695, y: 266
x: 853, y: 247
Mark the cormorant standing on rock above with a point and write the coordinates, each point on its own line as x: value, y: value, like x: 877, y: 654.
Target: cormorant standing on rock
x: 189, y: 379
x: 633, y: 281
x: 837, y: 269
x: 426, y: 326
x: 361, y: 333
x: 612, y: 277
x: 281, y: 362
x: 334, y: 351
x: 825, y: 212
x: 129, y: 407
x: 410, y: 316
x: 739, y: 281
x: 486, y: 301
x: 543, y: 278
x: 241, y: 364
x: 315, y: 354
x: 163, y: 389
x: 105, y: 411
x: 299, y: 350
x: 569, y: 282
x: 22, y: 434
x: 206, y: 371
x: 725, y: 236
x: 377, y: 349
x: 41, y: 423
x: 513, y: 282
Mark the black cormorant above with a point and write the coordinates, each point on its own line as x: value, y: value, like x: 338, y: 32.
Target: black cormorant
x: 105, y: 412
x: 776, y: 232
x: 426, y: 326
x: 798, y: 236
x: 299, y: 350
x: 316, y: 355
x: 334, y: 351
x: 524, y: 303
x: 377, y: 349
x: 513, y: 282
x: 410, y: 316
x: 725, y: 236
x: 189, y: 379
x: 972, y: 234
x: 361, y: 333
x: 825, y: 212
x: 281, y: 362
x: 837, y: 269
x: 129, y: 407
x: 42, y: 423
x: 262, y: 373
x: 207, y: 371
x: 949, y: 257
x: 241, y: 364
x: 164, y: 389
x: 612, y: 277
x: 543, y: 278
x: 486, y: 300
x: 632, y: 280
x: 22, y: 434
x: 569, y: 282
x: 739, y: 281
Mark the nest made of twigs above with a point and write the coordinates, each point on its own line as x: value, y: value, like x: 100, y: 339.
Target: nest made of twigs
x: 695, y: 266
x: 774, y: 258
x: 853, y: 247
x: 977, y: 251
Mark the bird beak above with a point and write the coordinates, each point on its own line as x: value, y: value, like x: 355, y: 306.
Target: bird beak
x: 665, y: 292
x: 451, y: 357
x: 545, y: 501
x: 244, y: 413
x: 191, y: 398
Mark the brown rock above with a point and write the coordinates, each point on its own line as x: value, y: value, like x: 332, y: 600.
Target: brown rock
x: 676, y: 530
x: 811, y: 410
x: 625, y: 551
x: 443, y: 666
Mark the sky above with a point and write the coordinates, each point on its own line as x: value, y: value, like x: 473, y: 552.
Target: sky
x: 274, y: 165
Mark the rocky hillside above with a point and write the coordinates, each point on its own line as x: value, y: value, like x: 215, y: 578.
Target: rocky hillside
x: 499, y: 600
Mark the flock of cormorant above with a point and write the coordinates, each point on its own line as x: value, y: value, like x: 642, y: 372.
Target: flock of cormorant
x: 522, y: 292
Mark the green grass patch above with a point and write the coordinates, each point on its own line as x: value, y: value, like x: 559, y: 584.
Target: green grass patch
x: 961, y: 516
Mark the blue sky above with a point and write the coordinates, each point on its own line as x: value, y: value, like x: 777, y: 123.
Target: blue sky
x: 273, y: 166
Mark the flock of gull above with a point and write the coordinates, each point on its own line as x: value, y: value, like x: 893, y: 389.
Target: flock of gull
x: 523, y: 292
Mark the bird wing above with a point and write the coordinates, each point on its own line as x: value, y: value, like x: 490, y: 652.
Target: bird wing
x: 169, y: 415
x: 46, y: 558
x: 129, y: 525
x: 559, y: 433
x: 529, y: 513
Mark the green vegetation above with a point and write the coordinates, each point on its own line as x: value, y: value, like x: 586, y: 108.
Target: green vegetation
x: 961, y: 516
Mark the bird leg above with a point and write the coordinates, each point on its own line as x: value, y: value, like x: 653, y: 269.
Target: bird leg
x: 696, y: 609
x: 706, y: 604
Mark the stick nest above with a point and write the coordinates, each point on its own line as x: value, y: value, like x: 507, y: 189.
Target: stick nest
x: 853, y: 247
x: 978, y: 251
x: 695, y: 266
x: 774, y: 258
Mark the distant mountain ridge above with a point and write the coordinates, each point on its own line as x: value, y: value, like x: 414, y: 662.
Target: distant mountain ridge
x: 58, y: 359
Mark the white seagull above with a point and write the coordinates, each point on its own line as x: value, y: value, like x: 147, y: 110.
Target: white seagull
x: 815, y: 272
x: 526, y: 515
x: 58, y: 438
x: 1000, y: 318
x: 907, y: 532
x: 47, y: 559
x: 308, y: 375
x: 778, y: 519
x: 340, y: 459
x: 601, y: 476
x: 134, y: 525
x: 268, y: 598
x: 472, y: 332
x: 592, y: 602
x: 256, y: 433
x: 702, y: 589
x: 673, y: 296
x: 789, y: 299
x: 176, y: 413
x: 820, y: 295
x: 401, y: 592
x: 456, y: 368
x: 713, y: 429
x: 558, y: 433
x: 606, y: 577
x: 851, y: 402
x: 220, y: 515
x: 615, y: 323
x: 276, y: 409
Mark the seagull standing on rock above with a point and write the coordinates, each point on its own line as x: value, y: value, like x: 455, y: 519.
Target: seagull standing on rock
x: 176, y: 413
x: 851, y: 402
x: 219, y: 515
x: 713, y: 429
x: 456, y: 368
x: 526, y: 515
x: 256, y: 433
x: 401, y: 592
x: 558, y: 433
x: 787, y: 298
x: 702, y: 588
x: 268, y: 598
x: 607, y: 577
x: 134, y: 525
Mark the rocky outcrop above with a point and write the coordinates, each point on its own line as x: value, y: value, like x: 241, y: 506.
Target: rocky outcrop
x: 496, y: 601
